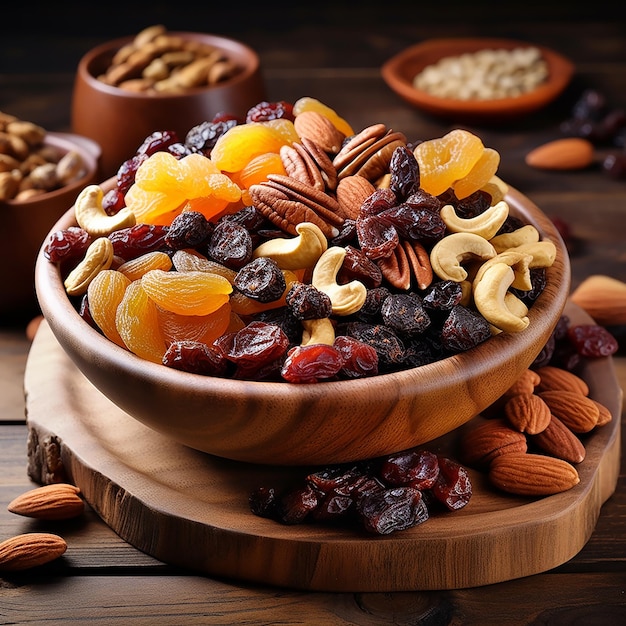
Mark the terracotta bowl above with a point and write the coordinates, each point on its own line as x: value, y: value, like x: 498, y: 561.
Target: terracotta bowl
x: 399, y: 72
x: 25, y: 224
x: 330, y: 422
x: 120, y: 120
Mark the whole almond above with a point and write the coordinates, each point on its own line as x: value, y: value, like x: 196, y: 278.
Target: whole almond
x: 571, y: 153
x: 556, y: 378
x: 604, y: 298
x: 604, y: 416
x: 528, y: 413
x: 50, y: 502
x: 318, y: 128
x: 532, y: 474
x: 579, y: 413
x: 30, y: 550
x: 489, y: 440
x: 559, y: 441
x: 526, y: 383
x: 352, y: 191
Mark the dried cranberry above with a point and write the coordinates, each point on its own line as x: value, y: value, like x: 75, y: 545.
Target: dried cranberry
x: 113, y: 201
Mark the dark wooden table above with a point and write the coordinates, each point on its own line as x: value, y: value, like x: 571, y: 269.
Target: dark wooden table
x: 332, y: 52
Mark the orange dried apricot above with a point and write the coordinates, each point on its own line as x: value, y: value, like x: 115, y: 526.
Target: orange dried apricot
x: 187, y: 293
x: 136, y: 268
x: 285, y: 128
x: 137, y: 322
x: 482, y: 172
x: 104, y: 294
x: 257, y: 170
x: 204, y: 328
x: 445, y: 160
x: 307, y: 103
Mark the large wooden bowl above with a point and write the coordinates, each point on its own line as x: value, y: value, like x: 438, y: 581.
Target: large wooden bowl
x: 400, y: 70
x: 285, y: 424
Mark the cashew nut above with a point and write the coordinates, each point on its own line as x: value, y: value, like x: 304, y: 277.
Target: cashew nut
x: 525, y: 234
x: 485, y: 224
x: 516, y: 259
x: 450, y: 252
x: 318, y: 331
x: 496, y: 188
x: 298, y: 252
x: 489, y: 298
x: 345, y: 299
x: 513, y: 304
x: 99, y: 256
x: 92, y: 217
x: 543, y: 253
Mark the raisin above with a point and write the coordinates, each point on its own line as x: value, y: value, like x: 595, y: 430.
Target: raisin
x: 443, y: 295
x: 66, y: 245
x: 158, y: 141
x: 373, y: 303
x: 414, y: 222
x: 202, y: 137
x: 295, y: 505
x: 311, y: 363
x: 113, y: 201
x: 592, y: 341
x: 538, y: 280
x: 547, y: 352
x: 262, y: 501
x: 405, y: 313
x: 254, y: 344
x: 129, y: 243
x: 416, y: 468
x: 261, y: 280
x: 359, y: 359
x: 333, y: 506
x: 453, y: 487
x: 357, y: 266
x: 377, y: 239
x: 391, y: 510
x: 387, y: 344
x: 423, y: 200
x: 377, y: 202
x: 306, y: 302
x: 404, y: 171
x: 188, y: 229
x: 230, y: 244
x: 195, y: 357
x: 266, y: 111
x: 464, y: 329
x: 347, y: 234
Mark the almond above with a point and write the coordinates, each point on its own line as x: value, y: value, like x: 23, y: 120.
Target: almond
x: 571, y: 153
x: 30, y: 550
x: 352, y: 191
x: 532, y: 474
x: 604, y: 416
x: 579, y: 413
x: 318, y: 128
x: 51, y: 502
x: 559, y: 441
x: 528, y: 413
x: 489, y: 440
x: 526, y: 383
x: 604, y: 298
x: 555, y: 378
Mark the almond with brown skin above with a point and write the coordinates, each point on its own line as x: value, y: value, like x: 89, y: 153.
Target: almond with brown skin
x: 318, y: 128
x: 352, y: 191
x: 491, y: 439
x: 559, y: 441
x: 30, y: 550
x: 570, y: 153
x: 579, y: 413
x: 532, y: 474
x: 526, y: 383
x: 556, y: 378
x: 50, y: 502
x: 528, y: 413
x: 604, y: 416
x: 604, y: 298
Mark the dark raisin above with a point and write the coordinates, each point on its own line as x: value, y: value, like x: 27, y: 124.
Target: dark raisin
x: 359, y: 359
x: 261, y: 279
x: 387, y: 344
x: 464, y: 329
x: 295, y: 505
x: 357, y: 266
x: 380, y: 200
x: 203, y: 137
x: 230, y: 244
x: 113, y: 201
x: 266, y: 111
x: 443, y: 295
x: 405, y: 313
x: 373, y: 303
x: 131, y: 242
x: 377, y: 239
x: 592, y: 341
x: 404, y: 171
x: 188, y: 229
x: 306, y: 302
x: 414, y: 222
x: 262, y: 501
x: 416, y: 468
x: 66, y: 245
x: 311, y: 363
x: 453, y: 487
x: 195, y: 357
x: 391, y: 510
x: 158, y: 141
x: 126, y: 172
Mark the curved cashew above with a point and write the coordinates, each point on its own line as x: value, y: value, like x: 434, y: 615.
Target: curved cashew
x: 496, y: 188
x: 318, y: 331
x: 448, y: 254
x: 92, y: 217
x: 99, y: 256
x: 486, y: 224
x: 543, y: 253
x: 513, y: 304
x: 489, y: 298
x: 298, y: 252
x: 345, y: 299
x: 523, y: 235
x: 516, y: 259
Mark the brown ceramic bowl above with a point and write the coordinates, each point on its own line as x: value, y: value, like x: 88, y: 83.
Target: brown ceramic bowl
x: 25, y: 224
x: 328, y: 422
x: 399, y: 72
x: 120, y: 120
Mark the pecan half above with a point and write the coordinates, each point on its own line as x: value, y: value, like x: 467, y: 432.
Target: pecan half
x: 308, y: 163
x: 287, y: 202
x: 408, y: 264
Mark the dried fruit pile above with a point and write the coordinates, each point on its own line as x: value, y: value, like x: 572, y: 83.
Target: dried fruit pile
x: 288, y: 247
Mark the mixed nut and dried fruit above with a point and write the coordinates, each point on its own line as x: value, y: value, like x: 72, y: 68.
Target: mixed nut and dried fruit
x: 288, y: 247
x: 30, y: 167
x: 159, y: 62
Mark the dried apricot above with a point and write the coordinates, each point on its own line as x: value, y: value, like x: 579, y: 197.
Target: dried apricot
x: 445, y: 160
x: 482, y: 172
x: 257, y: 170
x: 204, y: 328
x: 104, y: 294
x: 187, y: 293
x: 136, y: 268
x: 308, y: 103
x: 137, y: 322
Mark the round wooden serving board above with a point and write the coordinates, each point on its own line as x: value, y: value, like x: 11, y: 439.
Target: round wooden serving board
x: 190, y: 509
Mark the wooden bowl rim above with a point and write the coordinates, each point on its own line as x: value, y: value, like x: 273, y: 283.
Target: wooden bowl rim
x: 418, y: 56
